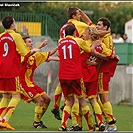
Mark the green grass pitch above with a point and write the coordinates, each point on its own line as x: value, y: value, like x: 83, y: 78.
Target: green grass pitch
x: 22, y: 118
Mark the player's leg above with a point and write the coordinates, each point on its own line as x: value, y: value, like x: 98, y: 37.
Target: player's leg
x: 80, y: 119
x: 57, y: 98
x: 91, y: 92
x: 101, y: 105
x: 3, y: 104
x: 97, y: 114
x: 10, y: 110
x: 66, y: 112
x: 74, y: 115
x: 80, y: 94
x: 47, y: 101
x: 104, y: 79
x: 68, y: 92
x: 38, y: 112
x: 12, y: 86
x: 86, y: 113
x: 42, y: 101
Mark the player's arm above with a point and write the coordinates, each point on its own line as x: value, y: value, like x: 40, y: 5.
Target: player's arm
x: 32, y: 51
x: 21, y: 47
x: 88, y: 21
x: 99, y: 55
x: 84, y: 17
x: 95, y: 53
x: 53, y: 51
x: 88, y: 46
x: 43, y: 44
x: 53, y: 58
x: 104, y: 56
x: 106, y: 52
x: 104, y: 32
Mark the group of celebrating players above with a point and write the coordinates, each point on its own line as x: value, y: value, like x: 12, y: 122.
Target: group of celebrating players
x: 87, y: 61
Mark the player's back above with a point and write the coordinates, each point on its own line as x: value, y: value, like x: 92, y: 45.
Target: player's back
x: 62, y: 30
x: 70, y: 62
x: 9, y: 57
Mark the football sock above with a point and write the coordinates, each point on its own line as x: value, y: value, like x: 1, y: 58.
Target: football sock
x: 101, y: 106
x: 75, y: 113
x: 65, y: 116
x: 108, y: 111
x: 88, y: 116
x: 97, y: 113
x: 65, y: 101
x: 57, y: 97
x: 3, y: 105
x: 38, y: 113
x: 80, y: 117
x: 45, y: 106
x: 11, y: 107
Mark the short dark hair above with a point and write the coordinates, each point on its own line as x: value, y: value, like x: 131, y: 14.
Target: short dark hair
x: 7, y: 21
x: 69, y: 30
x: 106, y: 22
x: 25, y: 37
x: 71, y: 11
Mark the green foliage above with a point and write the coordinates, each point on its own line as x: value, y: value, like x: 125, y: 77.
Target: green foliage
x: 117, y: 12
x: 1, y: 29
x: 22, y: 118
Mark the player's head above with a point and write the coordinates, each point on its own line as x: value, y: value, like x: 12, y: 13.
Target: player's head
x: 70, y: 30
x: 28, y: 41
x: 103, y: 23
x: 73, y: 13
x: 8, y: 22
x: 91, y: 33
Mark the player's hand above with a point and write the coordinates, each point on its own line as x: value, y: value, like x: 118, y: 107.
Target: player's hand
x: 91, y: 62
x: 44, y: 43
x: 96, y: 43
x: 48, y: 60
x: 117, y: 57
x: 34, y: 50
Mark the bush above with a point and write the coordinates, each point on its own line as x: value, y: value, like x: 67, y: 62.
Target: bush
x: 1, y: 29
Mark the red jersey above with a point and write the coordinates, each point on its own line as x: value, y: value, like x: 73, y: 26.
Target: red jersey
x: 70, y: 62
x: 10, y: 52
x: 62, y: 30
x: 98, y: 49
x: 108, y: 65
x: 28, y: 67
x: 90, y: 73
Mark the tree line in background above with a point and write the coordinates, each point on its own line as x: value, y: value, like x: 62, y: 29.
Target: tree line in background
x: 117, y: 12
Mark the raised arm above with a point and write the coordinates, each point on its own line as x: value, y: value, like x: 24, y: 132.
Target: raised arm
x: 43, y: 44
x: 84, y: 17
x: 33, y: 51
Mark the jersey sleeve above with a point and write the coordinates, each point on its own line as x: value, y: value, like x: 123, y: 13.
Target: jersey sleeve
x: 81, y: 26
x: 21, y: 47
x: 108, y: 52
x: 41, y: 57
x: 84, y: 45
x: 107, y: 39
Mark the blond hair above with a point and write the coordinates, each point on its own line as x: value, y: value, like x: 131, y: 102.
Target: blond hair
x: 93, y: 32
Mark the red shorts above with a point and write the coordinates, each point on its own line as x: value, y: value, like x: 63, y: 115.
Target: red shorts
x: 103, y: 82
x: 11, y: 85
x: 91, y: 89
x: 30, y: 93
x: 72, y: 87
